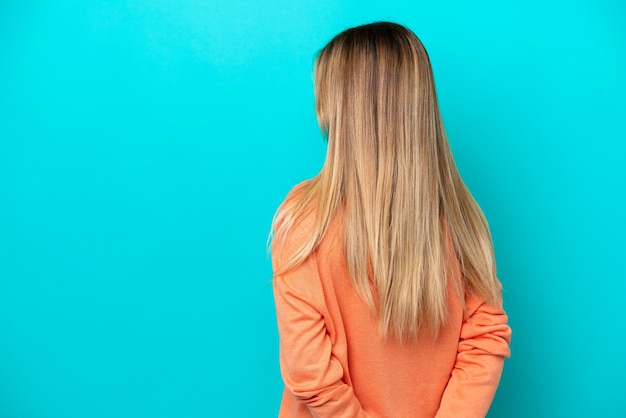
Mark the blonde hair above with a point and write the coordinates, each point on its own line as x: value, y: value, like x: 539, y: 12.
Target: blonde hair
x: 390, y: 170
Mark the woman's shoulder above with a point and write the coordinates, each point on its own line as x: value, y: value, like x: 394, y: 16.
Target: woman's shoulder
x: 292, y: 200
x: 296, y: 191
x: 298, y: 229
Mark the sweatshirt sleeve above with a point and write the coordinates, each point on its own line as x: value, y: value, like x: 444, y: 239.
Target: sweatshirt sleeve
x: 310, y: 371
x: 483, y: 346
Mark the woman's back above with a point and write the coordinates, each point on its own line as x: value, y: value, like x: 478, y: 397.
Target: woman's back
x: 335, y: 363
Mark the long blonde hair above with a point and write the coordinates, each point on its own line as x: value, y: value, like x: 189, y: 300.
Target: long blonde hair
x: 390, y: 170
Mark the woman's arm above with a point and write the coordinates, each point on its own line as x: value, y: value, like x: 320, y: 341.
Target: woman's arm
x: 483, y: 346
x: 310, y: 371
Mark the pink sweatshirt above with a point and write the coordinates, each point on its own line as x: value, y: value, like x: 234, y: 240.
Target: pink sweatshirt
x: 334, y: 364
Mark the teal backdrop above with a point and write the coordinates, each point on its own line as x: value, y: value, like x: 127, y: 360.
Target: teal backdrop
x: 144, y: 146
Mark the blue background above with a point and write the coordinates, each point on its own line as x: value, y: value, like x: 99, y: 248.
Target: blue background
x: 144, y: 146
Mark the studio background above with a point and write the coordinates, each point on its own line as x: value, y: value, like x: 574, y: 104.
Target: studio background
x: 145, y: 145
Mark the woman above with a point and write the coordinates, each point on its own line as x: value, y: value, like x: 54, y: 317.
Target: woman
x: 387, y: 299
